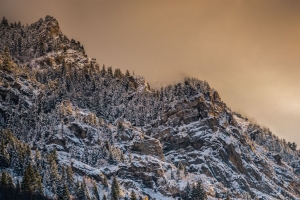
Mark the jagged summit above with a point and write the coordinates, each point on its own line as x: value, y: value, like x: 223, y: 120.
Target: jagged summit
x: 89, y: 131
x: 35, y: 40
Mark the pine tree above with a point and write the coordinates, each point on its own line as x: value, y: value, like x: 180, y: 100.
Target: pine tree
x: 38, y: 160
x: 7, y: 60
x: 202, y: 191
x: 104, y: 197
x: 95, y: 191
x: 195, y: 193
x: 38, y: 186
x: 86, y: 191
x: 185, y: 171
x: 109, y: 71
x: 178, y: 174
x: 54, y: 156
x: 28, y: 155
x: 114, y: 193
x: 187, y: 191
x: 111, y: 159
x: 180, y: 166
x: 130, y: 157
x: 79, y: 192
x: 19, y: 162
x: 115, y: 184
x: 172, y: 175
x: 66, y: 193
x: 127, y: 73
x: 4, y: 181
x: 26, y: 182
x: 105, y: 183
x: 62, y: 182
x: 4, y: 156
x: 10, y: 181
x: 70, y: 179
x: 103, y: 71
x: 198, y: 192
x: 4, y: 22
x: 53, y: 182
x: 118, y: 73
x: 133, y: 195
x: 227, y: 197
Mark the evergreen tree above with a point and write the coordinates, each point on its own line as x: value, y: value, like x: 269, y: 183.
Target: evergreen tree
x: 79, y: 192
x: 4, y: 22
x: 38, y: 186
x: 118, y: 73
x: 203, y: 194
x: 6, y: 186
x: 4, y: 156
x: 133, y: 195
x: 95, y: 191
x: 195, y: 193
x: 172, y: 175
x: 53, y: 173
x: 114, y: 193
x: 103, y: 71
x: 111, y: 159
x: 10, y: 181
x: 187, y: 192
x: 178, y: 173
x: 180, y: 166
x: 227, y: 196
x: 185, y: 171
x: 70, y: 179
x: 115, y: 184
x: 32, y: 181
x: 26, y: 182
x: 104, y: 197
x: 130, y: 157
x: 62, y: 182
x: 54, y: 156
x: 66, y: 193
x: 86, y: 191
x: 105, y: 183
x: 4, y: 181
x: 198, y: 192
x: 127, y: 73
x: 38, y: 160
x: 18, y: 162
x: 109, y: 71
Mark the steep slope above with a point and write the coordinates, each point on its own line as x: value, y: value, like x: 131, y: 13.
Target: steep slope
x: 104, y: 123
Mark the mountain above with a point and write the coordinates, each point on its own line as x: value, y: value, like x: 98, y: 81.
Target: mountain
x: 73, y: 129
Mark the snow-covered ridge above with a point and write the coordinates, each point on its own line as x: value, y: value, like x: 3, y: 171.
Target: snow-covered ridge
x: 106, y: 123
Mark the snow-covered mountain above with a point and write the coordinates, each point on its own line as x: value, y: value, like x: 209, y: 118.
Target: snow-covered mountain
x: 85, y: 131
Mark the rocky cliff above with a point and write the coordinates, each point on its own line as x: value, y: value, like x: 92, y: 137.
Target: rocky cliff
x: 104, y: 123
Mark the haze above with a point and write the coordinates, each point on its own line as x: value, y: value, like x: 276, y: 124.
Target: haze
x: 249, y: 51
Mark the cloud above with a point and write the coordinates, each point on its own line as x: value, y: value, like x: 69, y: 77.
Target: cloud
x: 247, y: 50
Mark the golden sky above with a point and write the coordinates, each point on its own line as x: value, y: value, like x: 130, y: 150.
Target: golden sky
x: 248, y: 50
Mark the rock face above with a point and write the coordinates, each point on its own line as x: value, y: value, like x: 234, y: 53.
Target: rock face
x: 148, y: 146
x: 52, y: 96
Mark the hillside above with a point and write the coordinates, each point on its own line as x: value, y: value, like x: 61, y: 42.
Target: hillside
x: 74, y: 125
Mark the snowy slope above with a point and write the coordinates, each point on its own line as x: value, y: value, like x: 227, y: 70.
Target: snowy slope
x: 104, y: 123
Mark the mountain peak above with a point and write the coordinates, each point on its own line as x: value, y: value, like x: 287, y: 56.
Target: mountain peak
x: 109, y: 129
x: 35, y: 40
x: 52, y: 26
